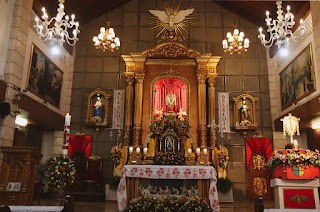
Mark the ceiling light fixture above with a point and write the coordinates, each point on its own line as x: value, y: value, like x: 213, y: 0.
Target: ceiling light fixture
x: 59, y: 32
x: 280, y: 28
x: 235, y: 42
x: 107, y: 39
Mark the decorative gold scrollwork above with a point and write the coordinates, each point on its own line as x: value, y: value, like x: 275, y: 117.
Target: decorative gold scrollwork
x: 260, y: 186
x: 258, y: 162
x: 299, y: 198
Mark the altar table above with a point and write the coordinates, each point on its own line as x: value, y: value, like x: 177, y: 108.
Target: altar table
x: 168, y: 172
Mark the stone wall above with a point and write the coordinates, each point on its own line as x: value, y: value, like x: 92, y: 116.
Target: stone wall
x: 238, y: 73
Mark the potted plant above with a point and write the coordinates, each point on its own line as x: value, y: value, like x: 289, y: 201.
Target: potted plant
x: 225, y: 193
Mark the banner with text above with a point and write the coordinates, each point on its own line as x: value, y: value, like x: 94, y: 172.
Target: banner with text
x: 118, y: 109
x: 224, y: 120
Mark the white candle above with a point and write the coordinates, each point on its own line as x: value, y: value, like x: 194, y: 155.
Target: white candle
x: 67, y: 120
x: 130, y: 149
x: 189, y: 150
x: 145, y: 150
x: 138, y: 150
x: 205, y: 151
x: 198, y: 151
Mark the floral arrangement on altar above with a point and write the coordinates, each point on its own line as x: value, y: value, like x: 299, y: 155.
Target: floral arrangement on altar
x: 294, y: 158
x: 116, y: 156
x: 168, y: 159
x: 61, y: 173
x: 160, y: 126
x: 186, y: 204
x: 223, y: 159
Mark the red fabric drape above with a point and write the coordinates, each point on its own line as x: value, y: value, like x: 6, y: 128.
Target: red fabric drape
x: 163, y: 87
x: 79, y: 143
x: 258, y: 146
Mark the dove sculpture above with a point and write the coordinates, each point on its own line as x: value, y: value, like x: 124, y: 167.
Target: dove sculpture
x: 171, y: 19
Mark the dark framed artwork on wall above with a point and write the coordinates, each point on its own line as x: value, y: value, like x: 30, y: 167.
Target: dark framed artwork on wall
x: 297, y: 80
x: 44, y: 77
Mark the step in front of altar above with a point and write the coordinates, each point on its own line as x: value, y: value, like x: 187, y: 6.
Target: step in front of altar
x: 88, y: 196
x: 35, y: 208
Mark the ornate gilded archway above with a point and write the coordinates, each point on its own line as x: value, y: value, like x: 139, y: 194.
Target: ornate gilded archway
x: 142, y: 67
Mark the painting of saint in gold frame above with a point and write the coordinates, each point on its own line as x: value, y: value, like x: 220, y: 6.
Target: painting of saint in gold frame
x: 245, y: 112
x: 98, y: 108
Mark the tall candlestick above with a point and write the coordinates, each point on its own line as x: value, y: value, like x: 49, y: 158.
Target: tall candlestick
x: 145, y: 150
x: 67, y: 120
x: 130, y: 150
x: 66, y: 134
x: 189, y: 150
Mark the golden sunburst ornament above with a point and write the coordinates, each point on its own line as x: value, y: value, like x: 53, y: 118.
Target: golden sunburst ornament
x: 172, y: 19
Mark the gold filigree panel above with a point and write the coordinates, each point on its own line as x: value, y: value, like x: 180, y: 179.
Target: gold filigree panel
x: 260, y: 186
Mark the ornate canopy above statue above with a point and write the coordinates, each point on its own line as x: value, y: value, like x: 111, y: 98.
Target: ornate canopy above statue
x: 150, y: 89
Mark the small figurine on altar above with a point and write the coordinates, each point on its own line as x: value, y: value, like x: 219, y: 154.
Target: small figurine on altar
x: 119, y: 157
x: 159, y: 114
x: 187, y: 145
x: 171, y: 100
x: 181, y: 114
x: 151, y: 147
x: 222, y: 158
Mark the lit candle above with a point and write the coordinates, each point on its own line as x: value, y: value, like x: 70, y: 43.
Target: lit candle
x: 189, y: 150
x: 205, y: 151
x: 67, y: 120
x: 138, y: 150
x: 145, y: 150
x: 130, y: 150
x: 198, y: 151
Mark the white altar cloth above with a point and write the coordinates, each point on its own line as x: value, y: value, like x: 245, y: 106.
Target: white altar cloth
x: 168, y: 172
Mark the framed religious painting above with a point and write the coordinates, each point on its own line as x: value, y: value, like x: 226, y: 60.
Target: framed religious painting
x: 44, y: 77
x: 98, y: 108
x: 297, y: 80
x: 245, y: 112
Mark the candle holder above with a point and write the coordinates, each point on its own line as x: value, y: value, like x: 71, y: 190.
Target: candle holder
x: 202, y: 156
x: 134, y: 155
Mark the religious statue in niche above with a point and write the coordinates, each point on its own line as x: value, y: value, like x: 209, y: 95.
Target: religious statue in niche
x: 171, y: 100
x: 98, y: 108
x: 245, y: 113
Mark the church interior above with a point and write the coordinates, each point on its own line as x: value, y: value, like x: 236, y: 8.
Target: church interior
x: 196, y: 105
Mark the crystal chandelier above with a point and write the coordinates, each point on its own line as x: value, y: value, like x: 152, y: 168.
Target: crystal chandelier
x: 280, y: 29
x: 235, y: 42
x: 107, y: 39
x: 290, y: 126
x: 59, y: 32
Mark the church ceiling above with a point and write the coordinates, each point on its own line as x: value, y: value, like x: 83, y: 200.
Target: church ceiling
x: 252, y: 11
x: 88, y: 10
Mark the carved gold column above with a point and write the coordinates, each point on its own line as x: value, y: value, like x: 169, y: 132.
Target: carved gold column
x: 138, y: 108
x: 211, y: 99
x: 129, y: 103
x: 202, y: 108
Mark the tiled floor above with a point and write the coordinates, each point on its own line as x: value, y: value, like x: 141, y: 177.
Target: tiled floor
x: 110, y: 206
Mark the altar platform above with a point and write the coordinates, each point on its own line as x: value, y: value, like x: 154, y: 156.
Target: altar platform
x: 132, y: 175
